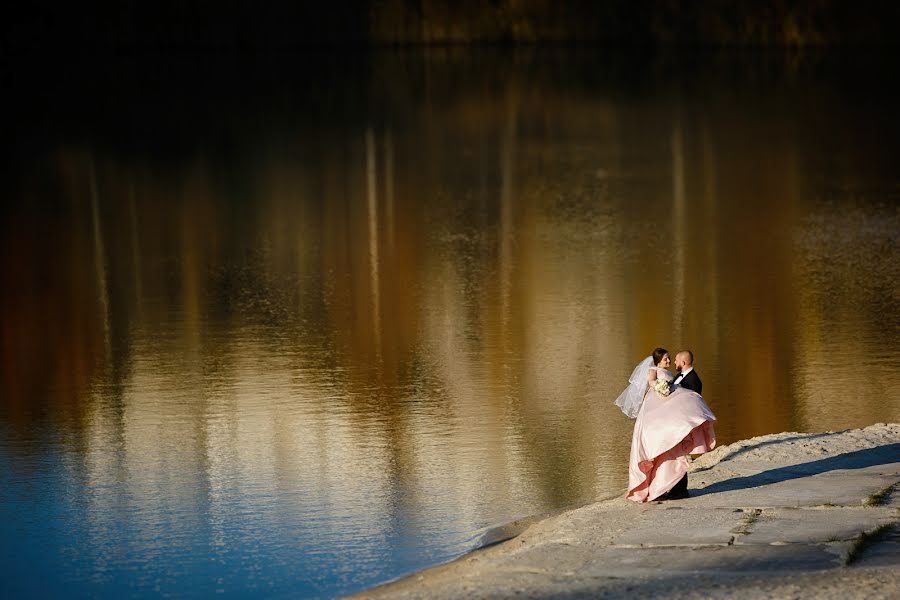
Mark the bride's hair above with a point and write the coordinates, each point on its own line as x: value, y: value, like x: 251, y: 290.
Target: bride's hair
x: 658, y: 354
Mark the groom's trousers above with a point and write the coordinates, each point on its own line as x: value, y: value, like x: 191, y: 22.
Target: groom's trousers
x: 679, y: 490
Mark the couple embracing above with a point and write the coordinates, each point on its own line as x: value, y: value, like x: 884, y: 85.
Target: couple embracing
x: 672, y: 422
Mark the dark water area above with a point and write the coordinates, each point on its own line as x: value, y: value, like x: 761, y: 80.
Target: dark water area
x: 245, y: 26
x: 298, y: 324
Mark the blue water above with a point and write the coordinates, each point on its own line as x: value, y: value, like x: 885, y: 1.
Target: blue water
x: 61, y: 537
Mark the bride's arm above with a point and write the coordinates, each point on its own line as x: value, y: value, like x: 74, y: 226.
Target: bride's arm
x: 651, y: 375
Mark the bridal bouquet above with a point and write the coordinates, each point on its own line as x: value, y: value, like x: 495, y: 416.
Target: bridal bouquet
x: 662, y: 387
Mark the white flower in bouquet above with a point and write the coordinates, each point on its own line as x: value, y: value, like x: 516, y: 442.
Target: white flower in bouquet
x: 662, y: 387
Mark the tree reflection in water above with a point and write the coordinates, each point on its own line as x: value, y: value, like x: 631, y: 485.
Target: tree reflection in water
x: 339, y: 329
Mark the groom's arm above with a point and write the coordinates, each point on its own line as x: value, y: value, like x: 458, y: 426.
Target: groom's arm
x: 692, y: 382
x: 696, y: 384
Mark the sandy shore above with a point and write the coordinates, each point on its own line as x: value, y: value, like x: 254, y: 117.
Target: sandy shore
x: 779, y: 516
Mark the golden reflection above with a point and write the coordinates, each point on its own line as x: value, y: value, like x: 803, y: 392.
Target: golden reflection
x: 372, y: 216
x: 680, y: 228
x: 99, y: 254
x: 435, y: 315
x: 839, y: 311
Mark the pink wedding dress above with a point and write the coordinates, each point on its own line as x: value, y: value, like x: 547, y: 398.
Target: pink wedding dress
x: 667, y: 429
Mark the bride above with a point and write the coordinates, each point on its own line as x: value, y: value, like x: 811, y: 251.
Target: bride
x: 672, y: 422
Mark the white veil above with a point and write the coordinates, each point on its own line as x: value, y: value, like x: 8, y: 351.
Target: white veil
x: 630, y: 400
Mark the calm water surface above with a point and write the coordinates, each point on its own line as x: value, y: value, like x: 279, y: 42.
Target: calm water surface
x: 301, y: 327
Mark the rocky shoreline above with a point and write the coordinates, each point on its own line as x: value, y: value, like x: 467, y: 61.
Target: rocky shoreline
x: 783, y: 515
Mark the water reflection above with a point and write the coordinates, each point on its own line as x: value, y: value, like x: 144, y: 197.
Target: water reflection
x: 332, y: 352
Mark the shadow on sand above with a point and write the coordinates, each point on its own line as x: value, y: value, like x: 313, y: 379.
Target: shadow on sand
x: 860, y: 459
x: 799, y: 436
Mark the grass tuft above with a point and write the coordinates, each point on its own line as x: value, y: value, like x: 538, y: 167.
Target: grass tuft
x: 863, y: 541
x: 880, y: 497
x: 752, y: 517
x: 747, y: 521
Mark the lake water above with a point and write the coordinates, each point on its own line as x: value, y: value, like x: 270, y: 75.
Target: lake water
x: 298, y: 325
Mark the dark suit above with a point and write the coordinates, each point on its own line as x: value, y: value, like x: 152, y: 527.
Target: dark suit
x: 692, y: 381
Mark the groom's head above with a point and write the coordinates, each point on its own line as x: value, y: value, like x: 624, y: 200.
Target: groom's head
x: 684, y: 360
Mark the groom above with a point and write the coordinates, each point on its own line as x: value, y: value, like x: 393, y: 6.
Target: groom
x: 687, y: 378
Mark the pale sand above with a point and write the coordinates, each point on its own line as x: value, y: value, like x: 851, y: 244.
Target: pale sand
x: 770, y: 517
